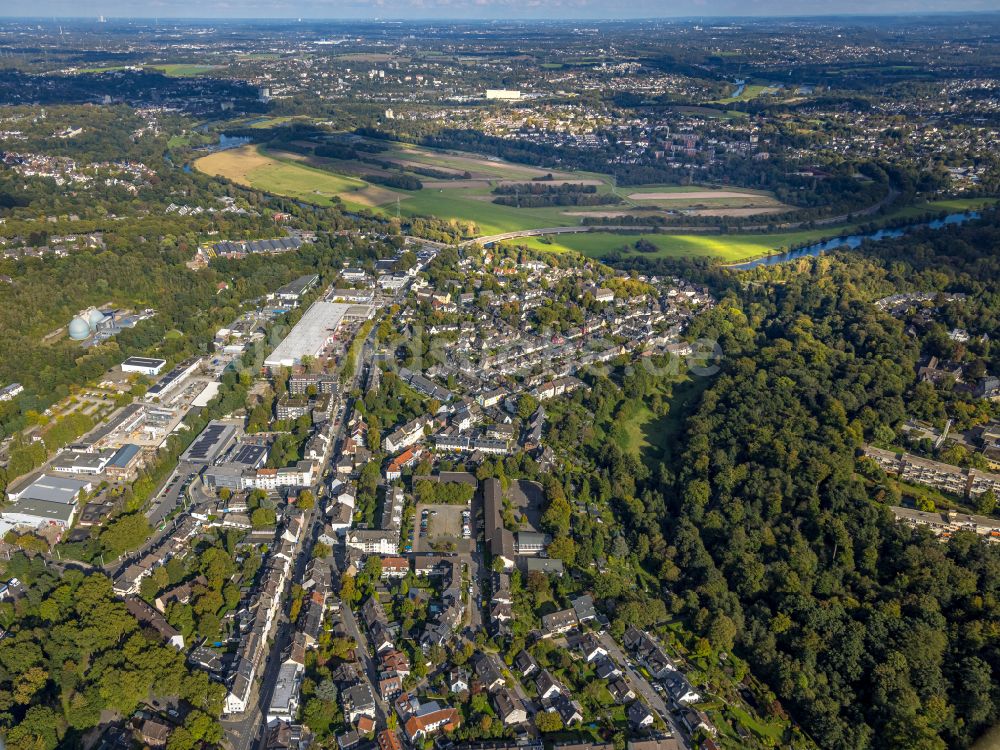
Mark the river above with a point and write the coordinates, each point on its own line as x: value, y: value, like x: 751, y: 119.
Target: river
x: 852, y: 241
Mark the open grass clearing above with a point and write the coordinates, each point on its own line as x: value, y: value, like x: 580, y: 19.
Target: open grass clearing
x: 730, y: 248
x: 749, y: 93
x: 273, y: 122
x: 252, y: 167
x: 989, y: 741
x: 645, y: 435
x: 182, y: 70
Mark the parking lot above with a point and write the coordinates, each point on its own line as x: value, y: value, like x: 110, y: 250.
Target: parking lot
x: 441, y: 524
x: 527, y: 498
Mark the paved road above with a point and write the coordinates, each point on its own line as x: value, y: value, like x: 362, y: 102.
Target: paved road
x: 284, y: 632
x: 642, y: 687
x: 242, y: 732
x: 169, y: 495
x: 239, y: 738
x: 371, y: 670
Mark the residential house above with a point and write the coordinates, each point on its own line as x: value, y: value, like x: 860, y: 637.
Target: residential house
x: 620, y: 691
x: 489, y: 673
x: 458, y: 680
x: 390, y: 685
x: 389, y: 740
x: 547, y: 685
x: 680, y: 689
x: 525, y: 663
x: 357, y: 701
x: 661, y: 742
x: 584, y: 607
x: 639, y: 715
x: 154, y: 733
x: 509, y: 707
x: 426, y: 723
x: 558, y: 622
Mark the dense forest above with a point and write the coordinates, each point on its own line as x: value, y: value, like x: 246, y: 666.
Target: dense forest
x: 758, y: 527
x: 874, y: 634
x: 73, y: 652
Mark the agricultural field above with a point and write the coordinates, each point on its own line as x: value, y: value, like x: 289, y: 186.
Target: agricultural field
x: 179, y: 70
x: 467, y: 196
x: 711, y: 112
x: 729, y: 248
x: 99, y: 69
x: 957, y: 205
x: 702, y: 201
x: 468, y: 199
x: 750, y: 92
x: 252, y: 167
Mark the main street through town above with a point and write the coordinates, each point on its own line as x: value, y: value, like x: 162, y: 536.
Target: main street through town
x: 247, y: 730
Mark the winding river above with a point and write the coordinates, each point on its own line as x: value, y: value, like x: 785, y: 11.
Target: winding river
x: 852, y: 241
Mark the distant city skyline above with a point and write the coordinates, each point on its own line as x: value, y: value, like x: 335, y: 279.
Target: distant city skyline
x: 482, y: 9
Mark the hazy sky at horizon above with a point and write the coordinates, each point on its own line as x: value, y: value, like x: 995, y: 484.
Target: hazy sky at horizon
x: 471, y: 9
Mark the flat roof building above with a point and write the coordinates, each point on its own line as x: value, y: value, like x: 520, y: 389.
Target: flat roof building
x: 310, y: 335
x: 285, y: 699
x: 173, y: 379
x: 8, y: 392
x: 292, y: 291
x: 144, y: 365
x: 52, y: 489
x: 213, y: 441
x: 503, y: 94
x: 32, y: 512
x: 81, y: 462
x: 125, y: 460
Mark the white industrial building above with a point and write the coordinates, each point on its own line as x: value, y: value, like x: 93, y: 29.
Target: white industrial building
x: 46, y: 500
x: 144, y: 365
x: 310, y: 336
x: 81, y: 462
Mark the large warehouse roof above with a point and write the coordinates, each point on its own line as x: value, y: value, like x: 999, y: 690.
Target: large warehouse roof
x: 308, y: 337
x: 43, y: 510
x: 53, y: 489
